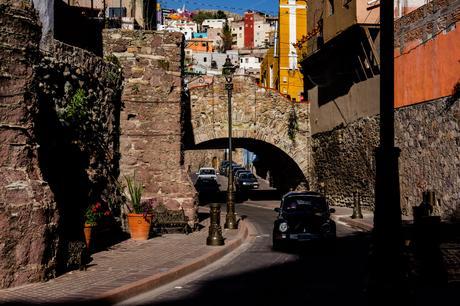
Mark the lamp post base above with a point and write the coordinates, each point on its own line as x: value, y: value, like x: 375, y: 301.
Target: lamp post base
x: 230, y: 222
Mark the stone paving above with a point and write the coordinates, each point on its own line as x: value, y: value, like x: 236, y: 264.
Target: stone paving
x: 122, y: 264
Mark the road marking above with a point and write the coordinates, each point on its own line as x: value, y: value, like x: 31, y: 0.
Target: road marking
x: 263, y: 236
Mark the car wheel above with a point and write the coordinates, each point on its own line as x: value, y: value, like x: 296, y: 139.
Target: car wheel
x: 277, y: 245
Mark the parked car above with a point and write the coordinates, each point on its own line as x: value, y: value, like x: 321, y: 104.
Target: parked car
x: 207, y: 174
x: 246, y: 181
x: 236, y: 168
x: 303, y: 216
x: 240, y: 171
x: 225, y: 168
x: 207, y: 186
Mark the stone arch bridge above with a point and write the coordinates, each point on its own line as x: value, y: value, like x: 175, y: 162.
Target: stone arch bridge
x: 264, y: 122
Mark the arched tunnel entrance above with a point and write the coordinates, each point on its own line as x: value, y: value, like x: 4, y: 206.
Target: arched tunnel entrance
x: 271, y: 163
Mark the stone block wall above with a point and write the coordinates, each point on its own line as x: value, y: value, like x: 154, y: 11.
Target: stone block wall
x: 195, y: 159
x: 59, y: 127
x: 79, y: 97
x: 28, y: 216
x: 263, y: 121
x: 428, y: 135
x: 151, y: 119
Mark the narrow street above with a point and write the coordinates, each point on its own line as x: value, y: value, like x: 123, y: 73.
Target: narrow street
x: 258, y: 275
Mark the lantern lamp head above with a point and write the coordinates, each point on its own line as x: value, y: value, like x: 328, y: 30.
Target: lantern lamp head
x: 228, y: 69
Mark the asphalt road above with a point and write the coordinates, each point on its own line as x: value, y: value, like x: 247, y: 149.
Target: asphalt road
x: 257, y: 275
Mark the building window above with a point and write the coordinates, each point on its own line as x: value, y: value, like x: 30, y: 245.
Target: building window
x: 331, y: 7
x: 205, y: 59
x: 241, y: 61
x: 241, y: 28
x: 247, y: 60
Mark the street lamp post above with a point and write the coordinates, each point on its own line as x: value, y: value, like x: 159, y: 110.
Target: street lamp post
x: 228, y: 70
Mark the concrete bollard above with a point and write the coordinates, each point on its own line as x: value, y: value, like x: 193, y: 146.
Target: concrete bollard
x: 357, y: 206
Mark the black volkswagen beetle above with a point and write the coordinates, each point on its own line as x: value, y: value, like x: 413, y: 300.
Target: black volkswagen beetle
x: 303, y: 216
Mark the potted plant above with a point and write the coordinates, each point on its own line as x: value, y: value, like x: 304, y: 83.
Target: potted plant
x: 140, y: 213
x: 94, y: 214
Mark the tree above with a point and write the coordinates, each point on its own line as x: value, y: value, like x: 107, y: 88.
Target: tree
x: 221, y: 15
x: 227, y: 37
x: 201, y: 16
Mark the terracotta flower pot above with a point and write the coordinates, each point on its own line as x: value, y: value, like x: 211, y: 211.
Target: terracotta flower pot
x: 88, y: 231
x: 139, y: 226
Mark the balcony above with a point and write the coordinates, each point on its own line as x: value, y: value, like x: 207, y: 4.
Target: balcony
x: 330, y: 18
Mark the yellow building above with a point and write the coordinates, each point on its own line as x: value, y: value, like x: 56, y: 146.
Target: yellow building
x: 269, y: 70
x: 292, y: 26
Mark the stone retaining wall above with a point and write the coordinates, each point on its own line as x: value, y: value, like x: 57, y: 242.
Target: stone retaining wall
x: 428, y: 135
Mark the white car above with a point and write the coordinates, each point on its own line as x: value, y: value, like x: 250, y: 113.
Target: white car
x: 207, y: 174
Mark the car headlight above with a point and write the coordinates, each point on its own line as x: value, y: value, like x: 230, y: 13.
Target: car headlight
x: 283, y: 227
x: 245, y: 183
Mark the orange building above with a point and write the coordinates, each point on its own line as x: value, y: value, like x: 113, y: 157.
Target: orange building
x: 427, y: 70
x: 200, y: 45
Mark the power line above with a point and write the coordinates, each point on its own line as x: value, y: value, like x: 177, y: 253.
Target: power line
x: 217, y: 6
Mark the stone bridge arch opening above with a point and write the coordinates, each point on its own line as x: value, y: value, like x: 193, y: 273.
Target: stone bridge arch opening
x: 263, y: 121
x: 271, y: 163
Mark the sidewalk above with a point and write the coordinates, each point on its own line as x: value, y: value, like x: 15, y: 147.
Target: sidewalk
x: 129, y: 268
x: 450, y: 248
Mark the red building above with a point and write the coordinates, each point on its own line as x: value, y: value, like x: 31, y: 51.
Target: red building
x: 249, y: 30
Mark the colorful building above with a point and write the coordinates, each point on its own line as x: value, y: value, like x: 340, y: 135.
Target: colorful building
x: 249, y: 30
x: 200, y: 45
x: 280, y: 68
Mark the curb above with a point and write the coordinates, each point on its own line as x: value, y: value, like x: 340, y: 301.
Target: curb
x: 354, y: 223
x: 152, y: 282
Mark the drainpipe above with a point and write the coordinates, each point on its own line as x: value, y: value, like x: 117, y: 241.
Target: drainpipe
x: 275, y: 50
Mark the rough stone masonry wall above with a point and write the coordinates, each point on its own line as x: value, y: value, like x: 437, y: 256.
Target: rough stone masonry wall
x: 80, y: 99
x: 59, y: 130
x: 428, y: 135
x: 28, y: 216
x: 268, y: 124
x: 195, y: 159
x: 151, y: 120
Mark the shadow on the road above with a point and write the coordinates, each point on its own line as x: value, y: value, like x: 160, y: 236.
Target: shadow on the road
x: 315, y: 276
x: 206, y: 197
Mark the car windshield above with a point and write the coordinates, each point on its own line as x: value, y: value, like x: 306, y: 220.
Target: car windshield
x: 207, y: 171
x: 304, y: 204
x: 247, y: 176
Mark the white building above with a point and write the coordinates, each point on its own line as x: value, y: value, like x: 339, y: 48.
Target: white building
x: 213, y: 23
x: 262, y: 32
x: 250, y: 63
x: 183, y: 26
x: 212, y: 61
x: 237, y: 28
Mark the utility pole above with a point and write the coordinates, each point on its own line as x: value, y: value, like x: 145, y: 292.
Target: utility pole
x: 387, y: 262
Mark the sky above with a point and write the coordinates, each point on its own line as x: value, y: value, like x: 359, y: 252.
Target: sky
x: 237, y: 6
